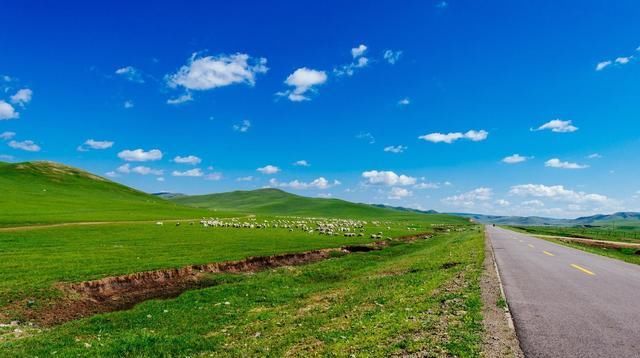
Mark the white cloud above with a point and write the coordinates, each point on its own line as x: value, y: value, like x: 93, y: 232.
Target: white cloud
x: 302, y: 163
x: 130, y: 73
x: 602, y: 65
x: 392, y: 56
x: 247, y: 178
x: 558, y: 126
x: 426, y: 185
x: 22, y: 97
x: 269, y: 169
x: 160, y: 179
x: 395, y: 149
x: 375, y: 177
x: 139, y: 155
x: 442, y: 4
x: 190, y: 159
x: 399, y: 193
x: 242, y: 126
x: 142, y: 170
x: 27, y: 145
x: 404, y: 102
x: 502, y: 202
x: 366, y: 136
x: 205, y: 73
x: 195, y: 172
x: 514, y: 159
x: 95, y: 144
x: 470, y: 198
x: 303, y: 80
x: 215, y: 176
x: 557, y: 163
x: 449, y: 138
x: 557, y: 192
x: 360, y: 61
x: 180, y: 99
x: 128, y: 104
x: 7, y: 111
x: 320, y: 183
x: 112, y: 174
x: 623, y: 60
x: 535, y: 203
x: 358, y: 51
x: 594, y: 156
x: 7, y: 135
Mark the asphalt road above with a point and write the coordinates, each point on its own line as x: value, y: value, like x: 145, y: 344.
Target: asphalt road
x: 566, y: 302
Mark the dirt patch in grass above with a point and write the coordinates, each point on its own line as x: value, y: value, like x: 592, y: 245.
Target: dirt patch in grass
x: 116, y: 293
x: 500, y: 338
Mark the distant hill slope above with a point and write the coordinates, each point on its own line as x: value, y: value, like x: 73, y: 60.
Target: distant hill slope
x: 278, y: 202
x: 621, y: 219
x: 47, y: 192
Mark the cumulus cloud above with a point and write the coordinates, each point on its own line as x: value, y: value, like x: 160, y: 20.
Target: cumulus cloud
x: 7, y: 111
x: 359, y: 61
x: 392, y: 56
x: 209, y: 72
x: 142, y: 170
x: 397, y: 193
x: 426, y: 185
x: 557, y: 163
x: 375, y: 177
x: 320, y: 183
x: 558, y: 126
x: 190, y: 159
x: 242, y: 126
x: 27, y: 145
x: 404, y: 102
x: 470, y: 198
x: 269, y: 169
x: 502, y: 202
x: 449, y: 138
x: 130, y: 73
x: 215, y: 176
x: 22, y: 97
x: 514, y: 159
x: 602, y: 65
x: 557, y: 192
x: 7, y: 135
x: 181, y: 99
x: 247, y: 178
x: 128, y: 104
x: 139, y: 155
x: 395, y: 149
x: 195, y: 172
x: 301, y: 163
x: 95, y: 144
x: 303, y: 80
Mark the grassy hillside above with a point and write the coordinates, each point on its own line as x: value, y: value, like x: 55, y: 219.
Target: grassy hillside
x: 46, y: 192
x: 278, y: 202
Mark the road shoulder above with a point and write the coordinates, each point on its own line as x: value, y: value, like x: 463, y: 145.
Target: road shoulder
x: 500, y: 338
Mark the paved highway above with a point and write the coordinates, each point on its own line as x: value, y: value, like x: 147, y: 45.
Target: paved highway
x: 566, y: 302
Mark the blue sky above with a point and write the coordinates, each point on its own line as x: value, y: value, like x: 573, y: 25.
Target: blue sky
x: 420, y: 103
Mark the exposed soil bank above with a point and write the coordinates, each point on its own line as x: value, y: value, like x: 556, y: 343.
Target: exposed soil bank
x: 116, y: 293
x: 595, y: 243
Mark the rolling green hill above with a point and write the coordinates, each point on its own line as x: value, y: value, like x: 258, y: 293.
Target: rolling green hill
x: 278, y: 202
x: 47, y: 192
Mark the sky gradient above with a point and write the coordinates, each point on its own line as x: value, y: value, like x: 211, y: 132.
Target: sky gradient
x: 497, y: 107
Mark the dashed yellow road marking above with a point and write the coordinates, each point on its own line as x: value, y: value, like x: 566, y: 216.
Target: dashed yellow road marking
x: 582, y: 269
x: 531, y: 246
x: 548, y: 253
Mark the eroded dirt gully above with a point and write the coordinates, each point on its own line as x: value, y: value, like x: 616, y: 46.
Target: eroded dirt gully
x: 116, y: 293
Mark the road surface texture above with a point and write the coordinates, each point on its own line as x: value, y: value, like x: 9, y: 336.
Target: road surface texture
x: 566, y: 302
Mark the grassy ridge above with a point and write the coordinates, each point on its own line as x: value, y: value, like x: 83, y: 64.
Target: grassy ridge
x: 46, y: 192
x: 421, y: 298
x: 278, y: 202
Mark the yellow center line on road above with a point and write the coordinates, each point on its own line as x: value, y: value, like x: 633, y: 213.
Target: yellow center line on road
x: 582, y: 269
x: 531, y: 246
x: 548, y: 253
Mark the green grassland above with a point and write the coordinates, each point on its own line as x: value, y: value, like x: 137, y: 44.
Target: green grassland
x: 278, y: 202
x: 420, y: 297
x: 46, y: 192
x: 624, y: 254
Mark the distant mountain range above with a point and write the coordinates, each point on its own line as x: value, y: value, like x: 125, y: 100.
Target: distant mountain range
x: 620, y: 219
